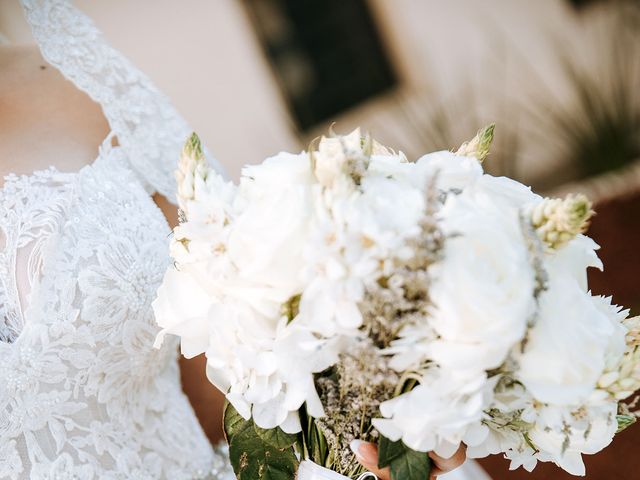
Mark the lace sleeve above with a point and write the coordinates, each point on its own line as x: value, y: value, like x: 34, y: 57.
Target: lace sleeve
x: 147, y: 126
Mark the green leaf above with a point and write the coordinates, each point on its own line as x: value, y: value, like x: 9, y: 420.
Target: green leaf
x: 233, y: 421
x: 388, y: 451
x: 625, y: 421
x: 258, y: 454
x: 318, y: 449
x: 404, y: 463
x: 276, y: 437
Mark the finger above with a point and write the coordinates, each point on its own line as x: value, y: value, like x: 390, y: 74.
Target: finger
x: 367, y: 454
x: 444, y: 465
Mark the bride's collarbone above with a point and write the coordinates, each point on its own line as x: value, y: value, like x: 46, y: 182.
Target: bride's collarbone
x: 44, y: 119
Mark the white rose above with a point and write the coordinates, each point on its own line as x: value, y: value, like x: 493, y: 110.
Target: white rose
x: 454, y: 172
x: 567, y: 348
x: 393, y: 166
x: 483, y: 287
x: 271, y: 226
x: 506, y: 192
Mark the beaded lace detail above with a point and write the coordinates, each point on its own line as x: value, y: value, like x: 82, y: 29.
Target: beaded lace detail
x: 83, y: 393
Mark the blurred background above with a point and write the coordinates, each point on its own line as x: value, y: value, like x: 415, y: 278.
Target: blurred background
x: 560, y: 78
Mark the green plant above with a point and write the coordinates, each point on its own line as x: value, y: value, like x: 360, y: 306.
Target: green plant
x: 600, y: 129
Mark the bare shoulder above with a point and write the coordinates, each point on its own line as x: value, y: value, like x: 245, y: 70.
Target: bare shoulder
x: 44, y: 119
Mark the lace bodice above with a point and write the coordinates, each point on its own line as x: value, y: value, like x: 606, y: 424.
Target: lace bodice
x: 83, y: 393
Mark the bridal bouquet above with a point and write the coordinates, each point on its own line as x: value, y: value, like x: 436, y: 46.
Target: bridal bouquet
x: 347, y: 293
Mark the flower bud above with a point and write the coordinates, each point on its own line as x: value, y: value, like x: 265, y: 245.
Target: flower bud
x: 557, y: 221
x: 192, y: 164
x: 479, y: 146
x: 340, y: 156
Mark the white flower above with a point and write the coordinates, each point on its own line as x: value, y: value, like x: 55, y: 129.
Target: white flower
x: 205, y: 231
x: 563, y: 435
x: 525, y: 457
x: 506, y: 192
x: 453, y: 172
x: 617, y: 342
x: 329, y: 306
x: 483, y: 288
x: 181, y: 309
x: 333, y: 152
x: 437, y: 415
x: 269, y: 233
x: 574, y: 258
x: 566, y: 350
x: 622, y: 375
x: 388, y: 213
x: 213, y: 200
x: 528, y: 431
x: 265, y: 370
x: 194, y: 242
x: 511, y: 409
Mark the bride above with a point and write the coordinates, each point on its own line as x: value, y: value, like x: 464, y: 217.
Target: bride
x: 87, y: 162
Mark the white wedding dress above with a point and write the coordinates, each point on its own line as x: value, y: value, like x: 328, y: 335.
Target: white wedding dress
x: 83, y: 393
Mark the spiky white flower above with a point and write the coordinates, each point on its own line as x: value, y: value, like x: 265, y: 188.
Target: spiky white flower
x: 567, y: 348
x: 557, y: 221
x: 622, y: 379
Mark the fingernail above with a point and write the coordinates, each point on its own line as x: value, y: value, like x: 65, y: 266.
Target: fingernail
x: 355, y: 447
x: 364, y: 451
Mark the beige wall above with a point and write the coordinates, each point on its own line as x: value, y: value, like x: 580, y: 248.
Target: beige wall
x: 204, y: 55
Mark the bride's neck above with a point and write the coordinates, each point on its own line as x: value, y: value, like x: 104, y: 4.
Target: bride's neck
x: 44, y: 119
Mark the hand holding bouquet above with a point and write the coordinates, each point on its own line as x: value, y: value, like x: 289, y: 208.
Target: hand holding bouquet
x: 346, y: 293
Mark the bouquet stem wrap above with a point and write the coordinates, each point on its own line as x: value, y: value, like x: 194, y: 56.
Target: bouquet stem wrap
x: 309, y: 470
